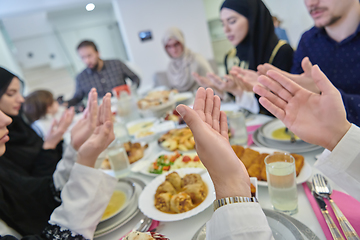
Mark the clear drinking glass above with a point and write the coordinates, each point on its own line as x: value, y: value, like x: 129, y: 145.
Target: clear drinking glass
x: 281, y: 178
x: 118, y: 159
x: 237, y: 128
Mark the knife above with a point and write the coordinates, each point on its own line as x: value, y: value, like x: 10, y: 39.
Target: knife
x: 332, y: 227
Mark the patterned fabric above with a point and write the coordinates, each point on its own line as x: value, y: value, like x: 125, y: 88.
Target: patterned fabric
x: 55, y: 232
x: 340, y: 61
x: 113, y: 74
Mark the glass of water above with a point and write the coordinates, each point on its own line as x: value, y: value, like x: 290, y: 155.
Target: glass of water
x: 118, y: 159
x: 237, y: 128
x: 281, y: 178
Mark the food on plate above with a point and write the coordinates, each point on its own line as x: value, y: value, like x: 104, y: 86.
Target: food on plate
x: 254, y: 161
x: 140, y: 126
x: 178, y: 139
x: 144, y: 133
x: 155, y: 98
x: 134, y: 151
x: 175, y: 180
x: 192, y: 178
x: 166, y: 187
x: 165, y: 163
x: 117, y: 200
x: 175, y: 117
x: 185, y: 198
x: 282, y: 134
x: 162, y: 202
x: 135, y: 235
x: 253, y: 190
x: 197, y: 192
x: 181, y: 202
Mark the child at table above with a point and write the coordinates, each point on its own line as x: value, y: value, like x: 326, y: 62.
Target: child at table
x: 41, y: 110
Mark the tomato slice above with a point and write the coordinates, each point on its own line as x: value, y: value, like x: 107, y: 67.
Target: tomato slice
x: 186, y: 159
x: 166, y: 168
x: 196, y: 159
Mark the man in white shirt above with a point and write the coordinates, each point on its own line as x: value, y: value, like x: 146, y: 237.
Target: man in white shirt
x: 316, y: 118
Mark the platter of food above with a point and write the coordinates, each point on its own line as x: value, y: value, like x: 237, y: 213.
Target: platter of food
x: 180, y: 194
x: 253, y: 159
x: 165, y: 162
x: 157, y: 103
x: 180, y: 139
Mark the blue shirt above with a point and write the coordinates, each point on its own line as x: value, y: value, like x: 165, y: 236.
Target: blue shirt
x: 281, y: 34
x: 339, y: 61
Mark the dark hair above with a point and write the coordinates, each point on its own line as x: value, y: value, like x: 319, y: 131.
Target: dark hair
x: 87, y: 43
x: 5, y: 79
x: 36, y: 104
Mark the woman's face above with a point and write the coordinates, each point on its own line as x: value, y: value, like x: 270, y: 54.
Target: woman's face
x: 11, y: 100
x: 235, y: 25
x: 4, y: 122
x: 174, y: 48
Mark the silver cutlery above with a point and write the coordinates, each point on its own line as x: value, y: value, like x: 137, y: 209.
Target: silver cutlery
x: 330, y: 223
x: 292, y: 135
x: 323, y: 188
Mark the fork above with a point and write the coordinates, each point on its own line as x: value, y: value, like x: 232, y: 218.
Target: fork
x: 322, y: 187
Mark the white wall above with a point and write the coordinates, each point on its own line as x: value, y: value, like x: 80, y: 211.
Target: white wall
x: 295, y: 17
x: 158, y: 15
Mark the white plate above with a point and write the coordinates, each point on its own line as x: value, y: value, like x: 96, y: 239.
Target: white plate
x: 184, y: 97
x: 139, y: 121
x: 304, y: 174
x: 146, y: 199
x: 298, y: 147
x: 268, y: 128
x: 281, y: 227
x: 119, y: 220
x: 145, y: 167
x: 128, y: 188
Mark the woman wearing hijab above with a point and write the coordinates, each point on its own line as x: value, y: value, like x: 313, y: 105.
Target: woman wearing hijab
x: 248, y: 26
x: 27, y: 203
x: 27, y: 150
x: 183, y: 62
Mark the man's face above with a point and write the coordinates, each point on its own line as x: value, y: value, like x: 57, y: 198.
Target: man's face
x: 327, y: 12
x: 89, y: 56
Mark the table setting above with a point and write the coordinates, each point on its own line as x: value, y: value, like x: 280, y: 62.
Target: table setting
x: 170, y: 148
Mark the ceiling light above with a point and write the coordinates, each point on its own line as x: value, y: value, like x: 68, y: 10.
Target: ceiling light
x: 90, y: 6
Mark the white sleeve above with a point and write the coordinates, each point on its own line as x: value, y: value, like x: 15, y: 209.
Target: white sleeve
x: 238, y: 221
x: 342, y: 165
x: 64, y: 166
x: 248, y: 101
x: 84, y: 199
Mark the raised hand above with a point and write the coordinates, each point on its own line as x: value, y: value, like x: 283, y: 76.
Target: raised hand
x: 305, y: 79
x: 101, y: 137
x: 316, y: 118
x: 229, y: 85
x: 245, y: 78
x: 205, y: 82
x: 58, y: 129
x: 210, y: 130
x: 86, y: 125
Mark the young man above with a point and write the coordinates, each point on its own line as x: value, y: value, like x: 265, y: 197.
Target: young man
x: 103, y: 75
x: 334, y: 44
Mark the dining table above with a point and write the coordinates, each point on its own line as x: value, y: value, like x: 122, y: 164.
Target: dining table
x: 186, y: 228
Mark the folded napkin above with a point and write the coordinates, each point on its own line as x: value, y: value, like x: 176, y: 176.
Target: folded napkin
x: 349, y: 206
x: 250, y: 130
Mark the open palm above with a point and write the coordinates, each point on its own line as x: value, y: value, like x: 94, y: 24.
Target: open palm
x: 209, y: 126
x: 316, y: 118
x: 245, y: 77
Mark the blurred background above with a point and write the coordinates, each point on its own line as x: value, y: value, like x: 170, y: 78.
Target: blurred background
x: 38, y: 38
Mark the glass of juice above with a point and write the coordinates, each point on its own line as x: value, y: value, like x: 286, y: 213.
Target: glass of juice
x: 281, y: 178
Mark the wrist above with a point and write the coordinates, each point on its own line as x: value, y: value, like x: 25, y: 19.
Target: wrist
x: 338, y: 135
x: 85, y: 161
x: 231, y: 186
x: 48, y: 145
